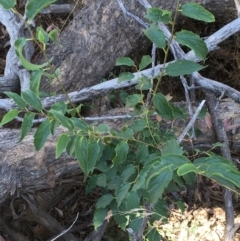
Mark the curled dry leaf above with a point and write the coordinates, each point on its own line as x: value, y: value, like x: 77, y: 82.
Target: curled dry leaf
x: 168, y: 97
x: 158, y: 118
x: 109, y: 215
x: 208, y: 120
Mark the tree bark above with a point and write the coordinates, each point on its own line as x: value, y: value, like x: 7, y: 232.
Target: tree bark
x: 100, y: 33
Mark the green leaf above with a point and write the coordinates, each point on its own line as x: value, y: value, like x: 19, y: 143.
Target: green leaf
x: 125, y: 76
x: 66, y: 122
x: 186, y: 168
x: 125, y: 61
x: 26, y: 124
x: 145, y: 61
x: 195, y: 11
x: 16, y: 98
x: 126, y: 134
x: 8, y: 4
x: 62, y: 143
x: 162, y: 106
x: 102, y: 128
x: 160, y: 211
x: 36, y: 6
x: 35, y: 80
x: 158, y: 15
x: 32, y: 100
x: 19, y: 44
x: 91, y: 183
x: 60, y: 106
x: 121, y: 151
x: 42, y: 35
x: 118, y: 216
x: 223, y: 173
x: 138, y: 125
x: 128, y: 171
x: 104, y: 201
x: 172, y: 147
x: 99, y: 217
x: 86, y: 152
x: 144, y: 83
x: 156, y: 35
x: 194, y: 42
x: 153, y: 235
x: 9, y: 116
x: 40, y: 137
x: 53, y: 35
x: 71, y: 146
x: 157, y: 185
x: 174, y: 161
x: 122, y: 192
x: 142, y: 153
x: 136, y: 224
x: 183, y: 67
x: 102, y: 180
x: 79, y: 123
x: 133, y: 100
x: 132, y: 201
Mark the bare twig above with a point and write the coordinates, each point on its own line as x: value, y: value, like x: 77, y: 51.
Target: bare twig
x: 191, y: 122
x: 65, y: 231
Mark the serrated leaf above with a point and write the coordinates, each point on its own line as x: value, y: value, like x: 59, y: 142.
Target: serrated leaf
x: 79, y: 124
x: 102, y: 128
x: 99, y: 217
x: 102, y: 180
x: 145, y: 61
x: 16, y: 98
x: 132, y: 200
x: 142, y: 153
x: 158, y: 15
x: 91, y: 183
x: 9, y: 116
x: 66, y: 122
x: 42, y: 35
x: 136, y: 224
x: 195, y: 11
x: 194, y: 42
x: 71, y: 146
x: 122, y: 192
x: 26, y: 124
x: 126, y: 134
x: 144, y: 83
x: 53, y: 35
x: 128, y: 171
x: 125, y: 61
x: 160, y: 211
x: 36, y: 6
x: 155, y: 35
x: 35, y: 80
x: 121, y: 151
x: 125, y: 76
x: 32, y: 99
x: 183, y: 67
x: 8, y: 4
x: 86, y: 152
x: 162, y: 106
x: 40, y: 136
x: 104, y: 201
x: 157, y: 185
x: 153, y: 235
x: 133, y: 100
x: 19, y: 44
x: 138, y: 125
x: 62, y: 143
x: 186, y: 168
x: 174, y: 161
x: 172, y: 147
